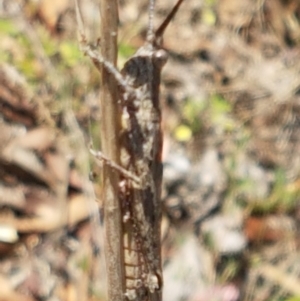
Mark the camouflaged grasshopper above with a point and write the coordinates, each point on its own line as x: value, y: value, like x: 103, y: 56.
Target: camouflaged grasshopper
x: 140, y: 157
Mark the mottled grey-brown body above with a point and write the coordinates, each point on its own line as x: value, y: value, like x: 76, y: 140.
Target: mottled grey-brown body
x: 141, y: 141
x: 141, y: 151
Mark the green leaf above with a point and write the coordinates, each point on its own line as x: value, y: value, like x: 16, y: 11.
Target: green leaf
x: 220, y: 105
x: 294, y: 298
x: 192, y: 113
x: 208, y: 16
x: 70, y: 53
x: 125, y: 51
x: 7, y: 27
x: 220, y: 110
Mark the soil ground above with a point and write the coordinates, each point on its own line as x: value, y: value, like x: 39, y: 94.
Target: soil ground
x: 231, y: 117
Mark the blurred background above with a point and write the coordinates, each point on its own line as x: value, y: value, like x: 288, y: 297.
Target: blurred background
x: 230, y: 97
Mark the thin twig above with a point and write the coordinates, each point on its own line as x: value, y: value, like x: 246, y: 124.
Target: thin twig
x: 100, y: 156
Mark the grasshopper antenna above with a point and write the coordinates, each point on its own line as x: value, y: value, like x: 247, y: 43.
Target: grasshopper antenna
x: 160, y: 31
x: 150, y: 33
x: 80, y: 26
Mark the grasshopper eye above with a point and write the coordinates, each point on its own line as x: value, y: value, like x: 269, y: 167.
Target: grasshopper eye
x: 160, y: 58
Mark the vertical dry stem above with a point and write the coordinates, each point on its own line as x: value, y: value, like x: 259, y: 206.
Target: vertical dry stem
x: 110, y: 128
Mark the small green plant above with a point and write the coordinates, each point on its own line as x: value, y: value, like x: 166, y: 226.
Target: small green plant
x: 220, y: 110
x: 230, y: 268
x: 282, y: 198
x: 192, y: 121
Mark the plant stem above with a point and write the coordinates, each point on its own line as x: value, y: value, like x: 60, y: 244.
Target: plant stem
x: 110, y: 129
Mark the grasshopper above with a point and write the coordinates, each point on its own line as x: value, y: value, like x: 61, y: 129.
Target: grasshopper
x: 141, y: 156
